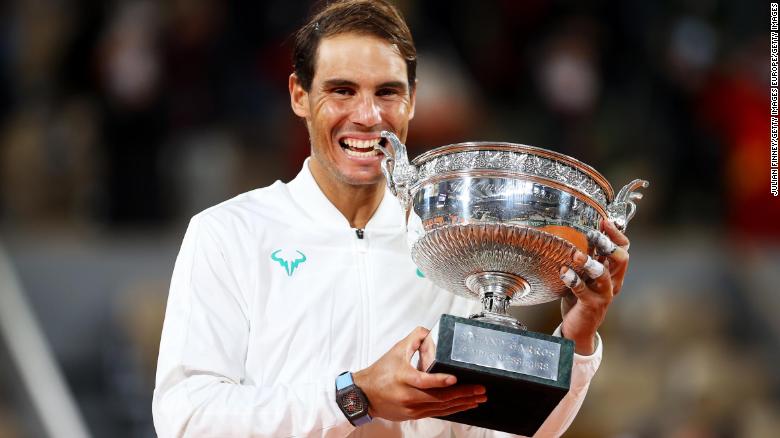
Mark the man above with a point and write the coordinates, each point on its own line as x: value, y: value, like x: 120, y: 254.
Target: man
x: 277, y: 292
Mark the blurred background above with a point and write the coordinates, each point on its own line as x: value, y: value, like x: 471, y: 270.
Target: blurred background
x: 119, y: 120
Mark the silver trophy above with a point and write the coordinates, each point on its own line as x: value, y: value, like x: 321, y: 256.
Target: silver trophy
x: 495, y: 222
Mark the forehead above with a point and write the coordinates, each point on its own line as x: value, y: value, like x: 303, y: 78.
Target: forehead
x: 355, y: 56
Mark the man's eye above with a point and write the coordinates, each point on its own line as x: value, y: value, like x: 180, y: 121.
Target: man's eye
x: 342, y: 91
x: 386, y: 92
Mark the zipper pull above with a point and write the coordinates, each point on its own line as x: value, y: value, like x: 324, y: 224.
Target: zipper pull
x: 359, y: 232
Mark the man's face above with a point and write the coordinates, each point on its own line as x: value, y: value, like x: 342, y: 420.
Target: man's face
x: 359, y: 89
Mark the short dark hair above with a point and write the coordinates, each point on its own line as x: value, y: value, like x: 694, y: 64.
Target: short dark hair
x: 372, y: 17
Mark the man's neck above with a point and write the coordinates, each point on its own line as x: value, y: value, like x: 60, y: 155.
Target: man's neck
x: 356, y: 203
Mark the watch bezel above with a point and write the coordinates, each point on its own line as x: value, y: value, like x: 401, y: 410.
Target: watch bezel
x: 341, y: 400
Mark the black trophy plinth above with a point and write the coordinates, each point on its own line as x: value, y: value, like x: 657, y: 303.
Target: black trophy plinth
x: 525, y: 374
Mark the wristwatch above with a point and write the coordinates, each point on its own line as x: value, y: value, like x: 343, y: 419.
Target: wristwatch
x: 351, y: 400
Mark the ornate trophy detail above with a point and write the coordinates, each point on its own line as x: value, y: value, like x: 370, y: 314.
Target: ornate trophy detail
x: 623, y: 208
x: 492, y: 219
x: 396, y: 168
x: 495, y: 222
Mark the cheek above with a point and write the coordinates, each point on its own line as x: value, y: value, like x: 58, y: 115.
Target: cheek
x: 396, y: 111
x: 330, y: 112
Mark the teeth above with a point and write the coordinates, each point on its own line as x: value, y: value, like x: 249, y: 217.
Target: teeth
x: 370, y: 153
x: 361, y: 144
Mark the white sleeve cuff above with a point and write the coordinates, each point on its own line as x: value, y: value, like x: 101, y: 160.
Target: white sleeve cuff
x: 597, y: 352
x: 585, y: 367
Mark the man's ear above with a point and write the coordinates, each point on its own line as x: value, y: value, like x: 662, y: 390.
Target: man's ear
x: 412, y: 99
x: 298, y: 97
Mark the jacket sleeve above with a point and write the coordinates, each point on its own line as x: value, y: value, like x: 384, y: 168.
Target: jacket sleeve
x: 583, y: 370
x: 200, y: 388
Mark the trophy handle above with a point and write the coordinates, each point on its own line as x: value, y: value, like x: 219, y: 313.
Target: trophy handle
x: 399, y: 173
x: 623, y: 207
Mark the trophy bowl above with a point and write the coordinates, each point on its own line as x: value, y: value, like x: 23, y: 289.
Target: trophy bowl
x: 495, y: 222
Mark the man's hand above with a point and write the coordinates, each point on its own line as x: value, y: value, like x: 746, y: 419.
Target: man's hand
x: 397, y: 391
x: 585, y: 308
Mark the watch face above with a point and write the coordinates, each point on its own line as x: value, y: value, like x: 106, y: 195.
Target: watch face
x: 352, y: 403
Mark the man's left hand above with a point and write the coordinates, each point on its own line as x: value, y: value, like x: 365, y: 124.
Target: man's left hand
x: 586, y: 306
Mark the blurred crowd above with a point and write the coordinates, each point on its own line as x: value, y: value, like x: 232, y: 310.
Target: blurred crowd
x: 121, y: 119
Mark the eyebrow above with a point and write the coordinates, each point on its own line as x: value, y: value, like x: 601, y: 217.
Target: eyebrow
x: 338, y: 83
x: 331, y: 83
x: 393, y: 84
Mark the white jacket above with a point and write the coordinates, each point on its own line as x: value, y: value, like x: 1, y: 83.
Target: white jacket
x: 273, y: 295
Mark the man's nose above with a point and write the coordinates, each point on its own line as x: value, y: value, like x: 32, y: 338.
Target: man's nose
x: 367, y: 113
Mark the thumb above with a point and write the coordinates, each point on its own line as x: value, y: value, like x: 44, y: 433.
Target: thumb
x: 418, y: 340
x: 412, y: 342
x: 423, y: 380
x: 427, y: 354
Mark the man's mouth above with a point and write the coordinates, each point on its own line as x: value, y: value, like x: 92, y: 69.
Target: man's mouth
x: 362, y: 148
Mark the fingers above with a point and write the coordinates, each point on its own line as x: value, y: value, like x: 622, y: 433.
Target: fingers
x: 444, y: 409
x: 429, y: 395
x: 572, y: 280
x: 595, y: 272
x: 423, y: 380
x: 606, y: 247
x: 615, y: 235
x: 592, y: 267
x: 414, y: 340
x: 454, y: 394
x: 614, y: 245
x: 597, y: 276
x: 601, y: 242
x: 436, y: 403
x: 618, y: 264
x: 419, y: 340
x: 427, y: 354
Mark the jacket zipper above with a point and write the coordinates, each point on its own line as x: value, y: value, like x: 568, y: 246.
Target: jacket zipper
x: 362, y: 255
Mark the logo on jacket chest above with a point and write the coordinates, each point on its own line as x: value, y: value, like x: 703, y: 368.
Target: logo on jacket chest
x: 289, y: 260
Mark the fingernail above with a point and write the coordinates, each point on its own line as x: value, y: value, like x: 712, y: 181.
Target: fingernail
x: 450, y: 380
x: 481, y: 399
x: 580, y: 257
x: 479, y: 390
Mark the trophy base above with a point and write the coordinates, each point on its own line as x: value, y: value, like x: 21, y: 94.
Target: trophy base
x: 525, y: 374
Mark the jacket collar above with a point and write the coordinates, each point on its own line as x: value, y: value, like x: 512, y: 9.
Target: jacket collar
x: 307, y: 194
